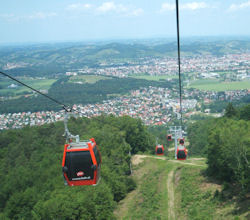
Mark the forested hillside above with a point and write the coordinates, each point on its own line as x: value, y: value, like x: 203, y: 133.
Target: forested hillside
x: 31, y: 185
x: 226, y: 144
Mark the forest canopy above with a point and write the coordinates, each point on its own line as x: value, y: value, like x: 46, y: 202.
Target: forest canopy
x: 31, y: 185
x: 226, y: 143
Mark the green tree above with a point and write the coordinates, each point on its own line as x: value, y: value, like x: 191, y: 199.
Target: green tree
x: 230, y: 111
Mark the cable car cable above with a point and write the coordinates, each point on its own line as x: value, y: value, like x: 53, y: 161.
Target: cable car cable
x: 65, y: 107
x: 179, y: 55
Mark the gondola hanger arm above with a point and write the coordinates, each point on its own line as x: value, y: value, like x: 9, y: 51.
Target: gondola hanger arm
x: 67, y: 134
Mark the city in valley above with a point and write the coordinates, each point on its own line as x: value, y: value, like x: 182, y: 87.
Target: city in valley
x: 154, y: 105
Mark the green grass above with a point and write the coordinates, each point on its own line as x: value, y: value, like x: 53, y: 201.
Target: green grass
x: 194, y: 193
x: 38, y: 84
x: 195, y: 203
x: 196, y: 196
x: 154, y: 78
x: 150, y: 199
x: 87, y: 79
x: 215, y: 85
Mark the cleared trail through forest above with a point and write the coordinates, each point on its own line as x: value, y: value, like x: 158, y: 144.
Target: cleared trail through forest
x: 170, y: 180
x: 174, y: 189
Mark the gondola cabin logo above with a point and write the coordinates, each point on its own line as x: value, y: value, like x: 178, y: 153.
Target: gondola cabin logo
x: 80, y: 173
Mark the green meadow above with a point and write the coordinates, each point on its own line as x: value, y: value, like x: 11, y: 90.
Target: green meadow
x: 39, y: 84
x: 216, y: 85
x: 91, y: 79
x: 155, y: 78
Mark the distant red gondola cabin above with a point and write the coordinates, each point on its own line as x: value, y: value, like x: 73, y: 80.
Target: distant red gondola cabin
x: 181, y: 141
x: 81, y: 163
x: 159, y: 150
x: 181, y: 153
x: 169, y: 137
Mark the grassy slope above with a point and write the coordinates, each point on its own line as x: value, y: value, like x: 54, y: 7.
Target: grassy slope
x: 155, y: 78
x: 35, y: 83
x: 215, y: 85
x: 194, y: 193
x: 149, y: 200
x: 87, y: 79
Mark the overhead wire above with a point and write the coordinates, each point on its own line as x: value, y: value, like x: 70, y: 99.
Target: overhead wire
x: 65, y: 107
x: 179, y: 55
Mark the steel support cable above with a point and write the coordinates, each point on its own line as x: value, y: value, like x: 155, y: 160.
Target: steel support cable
x: 179, y: 55
x: 65, y: 107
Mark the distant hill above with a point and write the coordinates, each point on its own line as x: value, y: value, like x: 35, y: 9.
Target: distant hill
x: 47, y: 59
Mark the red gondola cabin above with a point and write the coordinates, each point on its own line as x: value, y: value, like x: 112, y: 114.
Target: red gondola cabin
x: 181, y: 141
x: 81, y: 163
x: 159, y: 150
x: 169, y: 137
x: 181, y: 153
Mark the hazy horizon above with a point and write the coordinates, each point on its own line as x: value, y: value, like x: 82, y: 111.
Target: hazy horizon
x: 83, y: 20
x: 167, y: 39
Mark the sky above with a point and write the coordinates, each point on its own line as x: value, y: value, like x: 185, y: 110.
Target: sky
x: 87, y: 20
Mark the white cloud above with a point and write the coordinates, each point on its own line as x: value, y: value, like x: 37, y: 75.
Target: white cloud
x: 137, y: 12
x: 79, y: 6
x: 167, y: 7
x: 34, y: 16
x: 194, y: 5
x: 108, y: 6
x: 187, y: 6
x: 8, y: 17
x: 111, y: 7
x: 40, y: 15
x: 234, y: 7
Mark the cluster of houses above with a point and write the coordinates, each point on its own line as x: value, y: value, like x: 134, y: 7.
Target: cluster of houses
x: 155, y: 106
x: 205, y: 66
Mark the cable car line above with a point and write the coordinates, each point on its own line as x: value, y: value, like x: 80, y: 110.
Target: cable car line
x: 180, y: 151
x: 65, y: 107
x: 179, y: 55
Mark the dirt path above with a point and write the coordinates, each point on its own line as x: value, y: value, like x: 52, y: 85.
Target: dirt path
x: 170, y: 186
x: 137, y: 159
x: 181, y: 162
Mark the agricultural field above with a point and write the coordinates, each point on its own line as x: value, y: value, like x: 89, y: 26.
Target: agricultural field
x: 91, y: 79
x: 155, y: 78
x: 216, y: 85
x: 39, y: 84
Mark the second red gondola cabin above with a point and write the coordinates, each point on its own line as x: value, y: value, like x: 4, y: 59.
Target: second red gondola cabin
x: 181, y: 141
x: 181, y: 153
x: 81, y: 163
x: 159, y: 150
x: 169, y: 137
